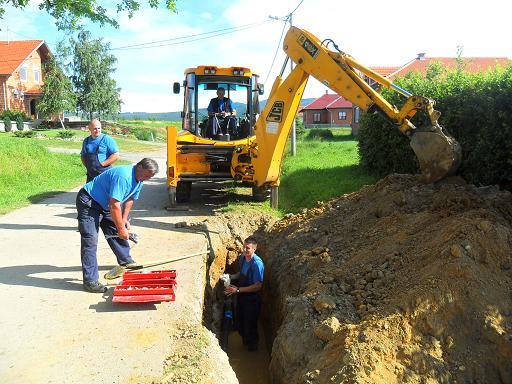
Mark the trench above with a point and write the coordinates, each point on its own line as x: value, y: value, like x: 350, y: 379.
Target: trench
x: 250, y: 367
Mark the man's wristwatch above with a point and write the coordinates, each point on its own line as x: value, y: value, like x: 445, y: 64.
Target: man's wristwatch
x: 238, y: 290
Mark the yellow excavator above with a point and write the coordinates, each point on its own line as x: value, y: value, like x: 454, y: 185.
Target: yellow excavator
x: 252, y: 151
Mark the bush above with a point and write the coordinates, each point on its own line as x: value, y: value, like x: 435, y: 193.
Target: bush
x: 475, y: 110
x: 320, y: 134
x: 66, y: 134
x: 299, y: 127
x: 25, y: 134
x: 14, y: 115
x: 19, y: 123
x: 8, y: 124
x: 144, y: 134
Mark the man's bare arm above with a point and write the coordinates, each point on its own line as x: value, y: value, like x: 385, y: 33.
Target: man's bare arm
x: 117, y: 217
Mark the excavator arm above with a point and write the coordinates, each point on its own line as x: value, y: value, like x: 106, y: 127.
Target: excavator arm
x: 438, y: 154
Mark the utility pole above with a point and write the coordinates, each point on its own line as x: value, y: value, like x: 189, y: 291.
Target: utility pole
x: 293, y: 138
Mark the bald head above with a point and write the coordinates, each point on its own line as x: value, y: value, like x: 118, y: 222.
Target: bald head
x: 95, y: 128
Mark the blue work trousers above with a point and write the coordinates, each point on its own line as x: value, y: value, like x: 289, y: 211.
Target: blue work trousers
x: 92, y: 216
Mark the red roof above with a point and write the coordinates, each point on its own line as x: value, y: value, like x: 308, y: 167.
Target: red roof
x: 472, y: 64
x: 14, y: 53
x: 385, y: 71
x: 330, y: 101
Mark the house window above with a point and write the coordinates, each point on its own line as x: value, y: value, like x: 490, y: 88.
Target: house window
x: 36, y: 75
x: 23, y: 73
x: 342, y: 115
x: 316, y: 117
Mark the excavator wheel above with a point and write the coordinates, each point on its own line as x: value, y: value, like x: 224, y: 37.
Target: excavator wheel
x: 180, y: 193
x: 438, y: 153
x: 261, y: 193
x: 183, y: 191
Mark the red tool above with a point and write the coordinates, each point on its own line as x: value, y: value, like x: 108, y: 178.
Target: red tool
x: 146, y: 287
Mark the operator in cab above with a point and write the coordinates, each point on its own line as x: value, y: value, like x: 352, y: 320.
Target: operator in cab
x: 222, y: 115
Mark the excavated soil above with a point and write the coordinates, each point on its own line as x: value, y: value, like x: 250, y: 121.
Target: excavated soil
x: 399, y: 282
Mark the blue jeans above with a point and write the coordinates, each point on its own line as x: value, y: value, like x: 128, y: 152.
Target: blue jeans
x: 92, y: 216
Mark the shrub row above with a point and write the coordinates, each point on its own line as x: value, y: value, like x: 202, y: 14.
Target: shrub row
x: 476, y: 110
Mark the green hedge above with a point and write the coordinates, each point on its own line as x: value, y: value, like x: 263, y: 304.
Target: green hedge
x: 14, y: 115
x: 320, y: 134
x: 475, y: 108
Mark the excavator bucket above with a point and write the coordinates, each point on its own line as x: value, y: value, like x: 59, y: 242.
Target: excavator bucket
x: 438, y: 153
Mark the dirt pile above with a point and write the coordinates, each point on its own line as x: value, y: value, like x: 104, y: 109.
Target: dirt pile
x: 397, y: 283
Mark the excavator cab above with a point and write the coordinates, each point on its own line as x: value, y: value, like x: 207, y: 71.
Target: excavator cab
x: 201, y: 86
x: 198, y: 153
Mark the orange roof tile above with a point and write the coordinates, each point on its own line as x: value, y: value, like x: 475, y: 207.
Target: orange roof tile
x: 472, y: 64
x: 13, y: 53
x: 385, y: 71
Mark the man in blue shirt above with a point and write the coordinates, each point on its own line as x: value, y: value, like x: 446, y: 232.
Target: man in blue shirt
x: 222, y: 115
x: 250, y: 281
x: 106, y: 202
x: 99, y: 151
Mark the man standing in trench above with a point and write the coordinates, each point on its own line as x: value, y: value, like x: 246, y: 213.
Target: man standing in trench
x: 250, y: 281
x: 99, y: 151
x: 106, y: 202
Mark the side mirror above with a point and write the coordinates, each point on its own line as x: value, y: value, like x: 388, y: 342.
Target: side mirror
x: 261, y: 89
x: 176, y: 88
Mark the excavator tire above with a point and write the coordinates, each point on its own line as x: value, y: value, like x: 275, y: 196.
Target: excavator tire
x: 438, y: 153
x: 183, y: 191
x: 261, y: 193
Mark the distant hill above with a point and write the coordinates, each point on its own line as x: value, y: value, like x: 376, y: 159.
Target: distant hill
x: 176, y: 116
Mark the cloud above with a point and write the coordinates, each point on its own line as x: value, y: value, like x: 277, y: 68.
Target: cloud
x: 145, y: 101
x: 206, y: 15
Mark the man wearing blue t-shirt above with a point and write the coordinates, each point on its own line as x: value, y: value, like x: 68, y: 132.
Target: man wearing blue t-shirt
x: 99, y: 151
x: 106, y: 202
x: 222, y: 115
x: 250, y: 281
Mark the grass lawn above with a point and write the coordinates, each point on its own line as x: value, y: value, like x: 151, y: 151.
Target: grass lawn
x: 29, y: 172
x: 158, y: 128
x: 49, y: 138
x: 321, y: 170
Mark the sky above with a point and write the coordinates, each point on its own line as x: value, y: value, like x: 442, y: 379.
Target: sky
x: 376, y: 33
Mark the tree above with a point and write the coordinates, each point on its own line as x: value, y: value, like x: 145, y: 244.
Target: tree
x: 91, y: 68
x: 58, y: 93
x: 68, y: 13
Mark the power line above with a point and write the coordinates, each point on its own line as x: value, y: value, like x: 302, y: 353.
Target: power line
x: 190, y: 38
x: 297, y: 7
x: 286, y: 19
x: 277, y: 51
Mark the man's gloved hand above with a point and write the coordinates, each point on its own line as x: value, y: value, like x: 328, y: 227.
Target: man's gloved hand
x: 226, y: 280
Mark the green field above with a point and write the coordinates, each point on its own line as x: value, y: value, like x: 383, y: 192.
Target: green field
x: 50, y: 138
x: 29, y: 172
x: 320, y: 171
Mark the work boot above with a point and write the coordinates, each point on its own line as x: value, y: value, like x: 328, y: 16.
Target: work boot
x: 132, y: 265
x: 94, y: 287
